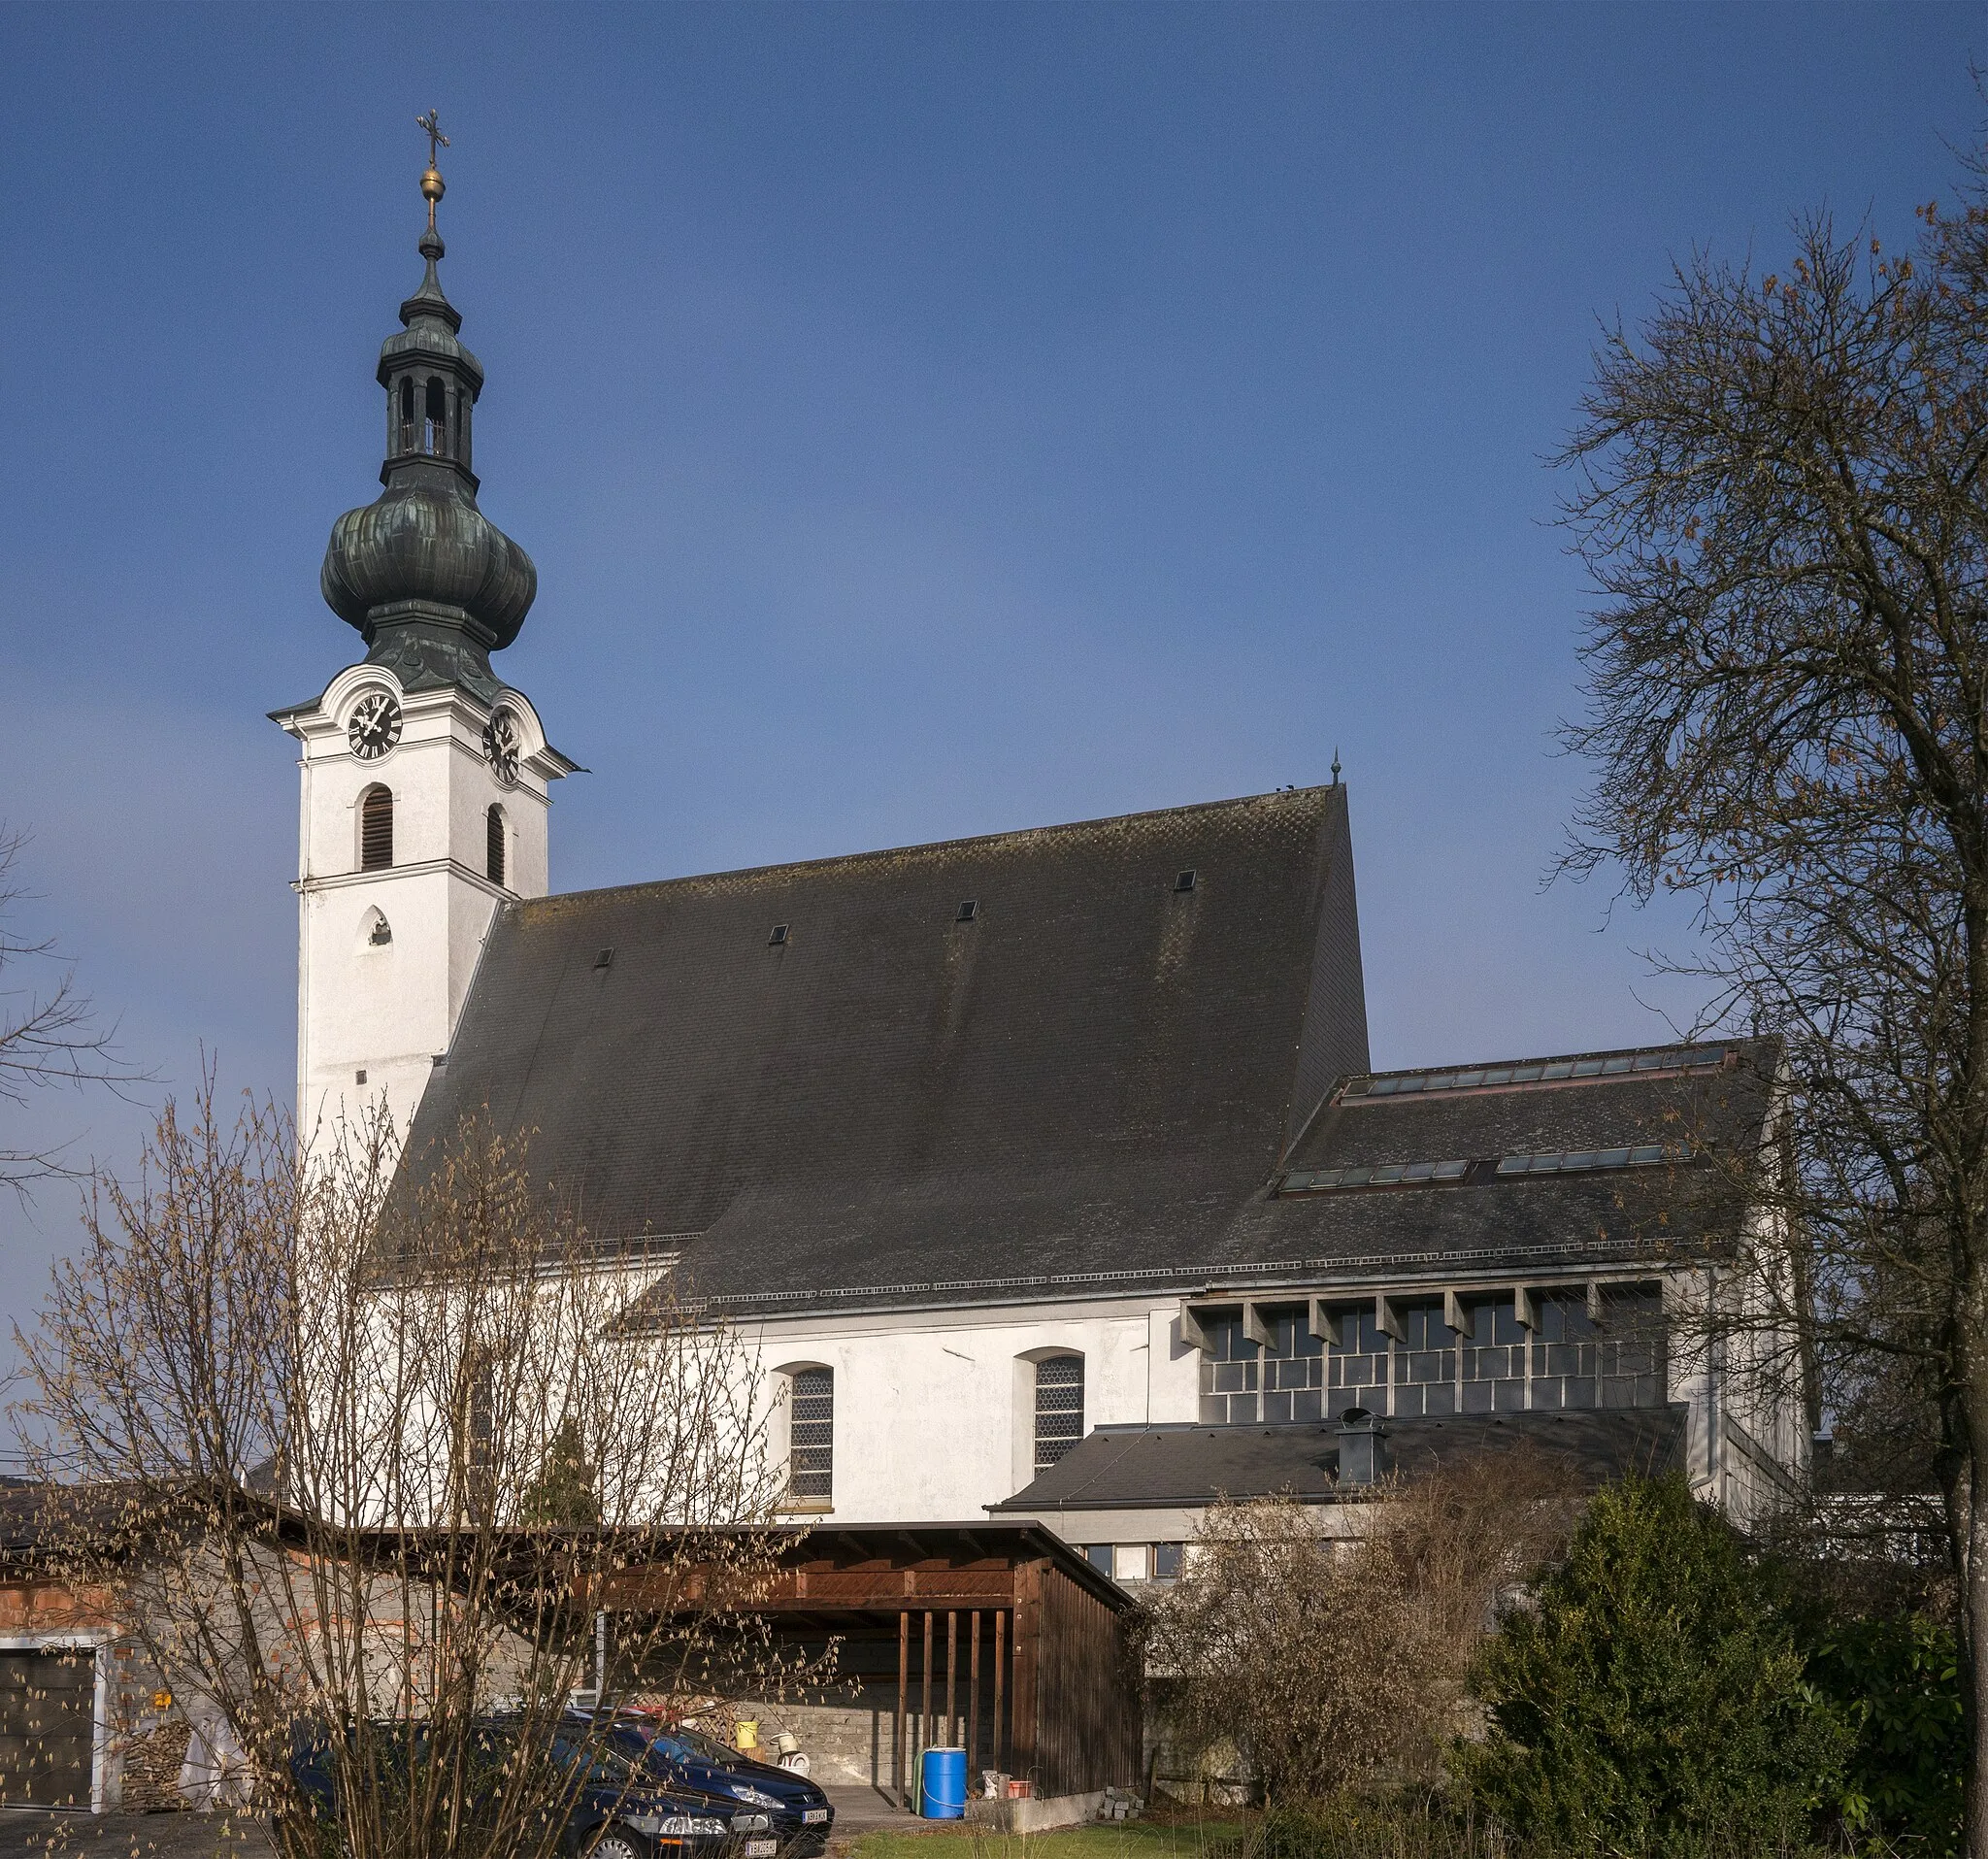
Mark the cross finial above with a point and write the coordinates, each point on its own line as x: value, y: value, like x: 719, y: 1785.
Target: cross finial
x: 432, y: 188
x: 431, y: 123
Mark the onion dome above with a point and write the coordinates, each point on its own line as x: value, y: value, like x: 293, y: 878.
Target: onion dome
x: 431, y: 583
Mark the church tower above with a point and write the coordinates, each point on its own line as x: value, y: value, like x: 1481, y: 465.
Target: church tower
x: 425, y: 777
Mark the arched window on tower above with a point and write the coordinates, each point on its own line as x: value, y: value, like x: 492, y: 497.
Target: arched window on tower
x: 407, y: 414
x: 493, y: 848
x: 435, y: 421
x: 375, y: 829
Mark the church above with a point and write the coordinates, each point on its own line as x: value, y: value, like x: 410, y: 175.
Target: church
x: 1045, y: 1174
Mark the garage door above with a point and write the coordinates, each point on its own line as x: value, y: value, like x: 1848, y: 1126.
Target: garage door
x: 48, y: 1714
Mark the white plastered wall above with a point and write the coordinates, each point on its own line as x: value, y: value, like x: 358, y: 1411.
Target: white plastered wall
x: 935, y: 1410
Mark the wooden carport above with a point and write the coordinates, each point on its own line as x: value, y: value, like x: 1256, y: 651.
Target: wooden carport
x: 1006, y: 1640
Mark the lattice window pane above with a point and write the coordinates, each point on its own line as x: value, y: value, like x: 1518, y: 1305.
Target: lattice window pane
x: 811, y: 1435
x: 1059, y: 1408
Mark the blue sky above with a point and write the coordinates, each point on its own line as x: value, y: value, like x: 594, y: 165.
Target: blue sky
x: 926, y: 419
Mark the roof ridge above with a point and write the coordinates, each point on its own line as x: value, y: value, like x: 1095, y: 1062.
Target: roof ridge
x: 1286, y: 796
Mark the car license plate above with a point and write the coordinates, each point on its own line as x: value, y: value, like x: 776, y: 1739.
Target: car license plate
x: 813, y: 1814
x: 761, y: 1848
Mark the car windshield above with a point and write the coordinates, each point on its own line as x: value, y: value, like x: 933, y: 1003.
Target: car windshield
x: 682, y: 1745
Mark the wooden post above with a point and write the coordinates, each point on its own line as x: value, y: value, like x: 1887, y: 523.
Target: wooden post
x: 951, y: 1667
x: 1024, y: 1703
x: 925, y: 1702
x: 972, y: 1696
x: 1000, y: 1638
x: 903, y: 1683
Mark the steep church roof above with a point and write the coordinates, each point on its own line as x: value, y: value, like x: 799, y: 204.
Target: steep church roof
x: 836, y: 1074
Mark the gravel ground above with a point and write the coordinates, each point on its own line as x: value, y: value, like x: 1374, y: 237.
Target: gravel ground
x: 31, y: 1834
x: 28, y: 1833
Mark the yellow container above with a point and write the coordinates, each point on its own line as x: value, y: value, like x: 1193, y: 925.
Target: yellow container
x: 748, y: 1733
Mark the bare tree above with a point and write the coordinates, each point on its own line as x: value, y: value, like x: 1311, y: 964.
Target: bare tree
x: 1781, y: 499
x: 363, y: 1459
x: 48, y: 1035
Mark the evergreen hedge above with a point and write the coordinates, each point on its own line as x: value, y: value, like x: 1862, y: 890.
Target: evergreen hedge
x: 1651, y: 1700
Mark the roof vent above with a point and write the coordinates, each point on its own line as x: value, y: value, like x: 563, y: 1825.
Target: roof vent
x: 604, y: 959
x: 1184, y: 882
x: 969, y: 909
x: 777, y: 936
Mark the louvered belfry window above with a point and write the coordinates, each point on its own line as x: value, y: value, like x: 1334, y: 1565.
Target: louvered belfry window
x: 375, y: 829
x: 1059, y: 1408
x: 811, y: 1429
x: 493, y: 850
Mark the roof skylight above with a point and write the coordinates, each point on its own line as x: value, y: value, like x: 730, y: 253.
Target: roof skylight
x: 1417, y: 1173
x: 1669, y: 1058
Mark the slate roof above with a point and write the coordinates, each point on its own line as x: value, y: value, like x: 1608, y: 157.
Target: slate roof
x: 1099, y: 1083
x: 1161, y: 1468
x: 1091, y: 1076
x: 1705, y: 1110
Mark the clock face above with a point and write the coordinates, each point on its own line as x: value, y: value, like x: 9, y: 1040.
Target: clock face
x: 502, y: 741
x: 375, y: 727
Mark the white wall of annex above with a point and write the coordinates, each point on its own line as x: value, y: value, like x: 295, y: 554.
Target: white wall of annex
x: 935, y: 1414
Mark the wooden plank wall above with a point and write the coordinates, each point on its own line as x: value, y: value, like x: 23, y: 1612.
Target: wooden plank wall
x: 1086, y: 1703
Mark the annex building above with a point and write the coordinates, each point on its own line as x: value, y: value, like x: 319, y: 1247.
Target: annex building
x: 1046, y: 1172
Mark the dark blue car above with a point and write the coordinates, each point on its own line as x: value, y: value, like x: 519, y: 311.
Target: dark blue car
x: 686, y: 1763
x: 635, y: 1794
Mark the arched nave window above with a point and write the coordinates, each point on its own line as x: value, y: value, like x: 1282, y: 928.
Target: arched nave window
x: 1059, y: 1408
x: 810, y: 1436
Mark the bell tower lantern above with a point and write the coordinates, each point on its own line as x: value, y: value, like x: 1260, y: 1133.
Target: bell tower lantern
x: 425, y: 777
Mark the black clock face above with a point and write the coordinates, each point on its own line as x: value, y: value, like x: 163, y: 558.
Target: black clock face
x: 375, y: 727
x: 502, y: 741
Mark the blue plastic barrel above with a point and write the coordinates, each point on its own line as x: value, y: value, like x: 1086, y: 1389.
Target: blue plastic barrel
x: 943, y: 1784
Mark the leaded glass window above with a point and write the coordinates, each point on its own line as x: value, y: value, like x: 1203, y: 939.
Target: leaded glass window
x: 810, y: 1436
x: 1059, y: 1408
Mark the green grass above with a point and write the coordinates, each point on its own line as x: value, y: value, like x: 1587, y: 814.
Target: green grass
x: 1168, y: 1838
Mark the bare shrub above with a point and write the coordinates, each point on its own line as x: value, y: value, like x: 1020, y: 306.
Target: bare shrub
x: 1324, y: 1664
x: 1296, y: 1652
x: 362, y: 1460
x: 1477, y: 1529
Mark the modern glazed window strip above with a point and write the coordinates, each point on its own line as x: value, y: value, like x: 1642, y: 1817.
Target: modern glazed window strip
x: 1573, y: 1351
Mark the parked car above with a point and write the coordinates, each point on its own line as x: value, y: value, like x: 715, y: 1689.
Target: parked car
x: 623, y: 1805
x: 687, y: 1761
